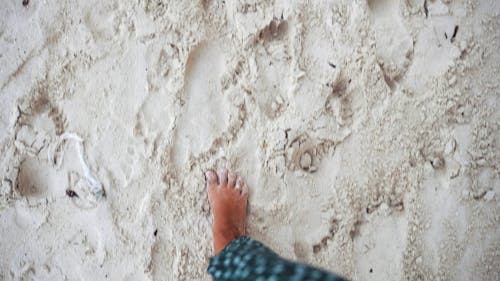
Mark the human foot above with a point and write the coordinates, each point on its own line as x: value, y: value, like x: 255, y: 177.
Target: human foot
x: 228, y: 196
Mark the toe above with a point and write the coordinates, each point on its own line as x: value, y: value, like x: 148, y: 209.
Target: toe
x: 242, y: 186
x: 244, y: 190
x: 223, y: 176
x: 231, y: 180
x: 211, y: 178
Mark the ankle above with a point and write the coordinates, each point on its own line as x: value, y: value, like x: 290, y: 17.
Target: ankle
x: 223, y: 236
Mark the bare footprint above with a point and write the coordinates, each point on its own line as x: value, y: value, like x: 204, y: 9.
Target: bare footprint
x: 228, y: 196
x: 395, y: 51
x: 205, y: 114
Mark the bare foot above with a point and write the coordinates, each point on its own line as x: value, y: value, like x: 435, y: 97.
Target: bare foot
x: 228, y: 196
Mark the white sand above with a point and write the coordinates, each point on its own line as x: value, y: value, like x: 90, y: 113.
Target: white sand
x: 368, y: 132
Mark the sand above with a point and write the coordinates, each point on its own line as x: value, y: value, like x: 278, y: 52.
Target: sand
x: 368, y: 132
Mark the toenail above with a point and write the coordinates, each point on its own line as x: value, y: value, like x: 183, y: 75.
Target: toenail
x: 223, y: 175
x: 209, y: 176
x: 232, y: 179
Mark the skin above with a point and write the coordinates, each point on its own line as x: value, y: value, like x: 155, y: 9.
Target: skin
x: 228, y: 196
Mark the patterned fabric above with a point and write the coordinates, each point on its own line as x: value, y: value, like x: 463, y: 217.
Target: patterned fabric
x: 245, y: 259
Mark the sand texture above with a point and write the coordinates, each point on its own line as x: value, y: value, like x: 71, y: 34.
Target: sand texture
x: 368, y: 133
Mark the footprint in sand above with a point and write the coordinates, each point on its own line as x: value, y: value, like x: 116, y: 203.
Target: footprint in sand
x: 378, y: 237
x: 394, y: 44
x: 205, y: 114
x: 413, y: 60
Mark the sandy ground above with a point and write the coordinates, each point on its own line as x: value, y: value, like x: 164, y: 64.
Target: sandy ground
x: 368, y: 131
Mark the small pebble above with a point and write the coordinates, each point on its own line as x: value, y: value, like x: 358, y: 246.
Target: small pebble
x: 455, y: 171
x: 450, y: 146
x: 384, y: 207
x: 437, y: 162
x: 489, y: 195
x: 305, y: 160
